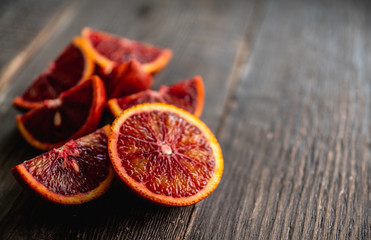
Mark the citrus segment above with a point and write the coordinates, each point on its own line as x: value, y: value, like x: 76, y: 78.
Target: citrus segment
x: 127, y: 78
x: 70, y: 67
x: 77, y: 172
x: 187, y: 94
x: 165, y: 154
x: 109, y: 50
x: 75, y: 113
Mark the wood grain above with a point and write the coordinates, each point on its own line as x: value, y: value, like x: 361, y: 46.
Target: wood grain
x: 20, y: 24
x: 296, y: 141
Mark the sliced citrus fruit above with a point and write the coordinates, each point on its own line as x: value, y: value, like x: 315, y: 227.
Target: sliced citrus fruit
x: 71, y: 66
x: 165, y: 154
x: 73, y: 114
x: 109, y: 50
x: 127, y: 78
x: 187, y: 94
x: 77, y: 172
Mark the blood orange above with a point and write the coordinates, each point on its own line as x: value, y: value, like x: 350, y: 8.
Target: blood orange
x: 187, y: 94
x: 109, y: 50
x: 73, y: 114
x: 127, y: 78
x: 77, y: 172
x: 165, y: 154
x: 71, y: 66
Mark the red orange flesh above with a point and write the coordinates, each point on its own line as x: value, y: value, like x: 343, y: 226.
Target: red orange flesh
x: 165, y: 154
x: 77, y: 172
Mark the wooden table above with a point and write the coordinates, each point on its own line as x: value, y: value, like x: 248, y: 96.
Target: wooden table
x: 287, y: 95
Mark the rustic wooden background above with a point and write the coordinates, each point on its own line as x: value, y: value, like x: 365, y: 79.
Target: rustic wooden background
x: 288, y: 88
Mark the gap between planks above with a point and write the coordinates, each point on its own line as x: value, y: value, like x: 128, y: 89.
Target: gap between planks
x: 61, y: 18
x: 242, y: 59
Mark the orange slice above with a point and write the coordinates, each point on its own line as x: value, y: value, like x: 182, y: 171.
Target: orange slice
x: 73, y: 114
x: 165, y: 154
x: 187, y: 94
x: 109, y: 50
x: 75, y: 173
x: 71, y: 67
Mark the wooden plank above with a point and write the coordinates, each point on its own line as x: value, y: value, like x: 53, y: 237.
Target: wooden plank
x: 296, y: 141
x: 204, y: 37
x: 20, y: 22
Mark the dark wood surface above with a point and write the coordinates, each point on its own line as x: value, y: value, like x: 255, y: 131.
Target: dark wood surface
x: 287, y: 95
x: 24, y: 26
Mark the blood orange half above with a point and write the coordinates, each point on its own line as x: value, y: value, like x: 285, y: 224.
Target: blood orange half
x: 165, y: 154
x: 77, y: 172
x: 71, y: 66
x: 187, y: 94
x: 73, y: 114
x: 109, y: 50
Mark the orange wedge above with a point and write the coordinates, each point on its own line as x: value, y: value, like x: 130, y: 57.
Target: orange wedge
x: 73, y: 114
x: 109, y: 50
x: 187, y: 94
x: 75, y: 173
x: 71, y: 67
